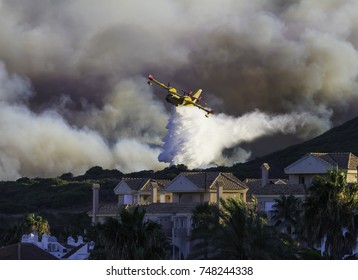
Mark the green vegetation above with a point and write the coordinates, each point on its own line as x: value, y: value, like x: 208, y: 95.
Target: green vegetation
x: 63, y: 202
x: 36, y: 223
x: 286, y: 213
x: 27, y: 225
x: 331, y: 214
x: 237, y: 231
x: 131, y: 238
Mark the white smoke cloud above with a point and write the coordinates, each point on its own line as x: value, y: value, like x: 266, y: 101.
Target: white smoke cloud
x: 132, y: 155
x: 44, y: 144
x: 129, y: 111
x: 13, y: 88
x: 197, y: 141
x: 80, y: 65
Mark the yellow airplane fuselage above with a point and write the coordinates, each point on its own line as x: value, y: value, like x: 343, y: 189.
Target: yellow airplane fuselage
x: 180, y: 100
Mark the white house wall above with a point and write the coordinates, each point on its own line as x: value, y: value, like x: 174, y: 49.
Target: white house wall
x: 308, y: 165
x: 295, y: 179
x: 122, y: 188
x: 182, y: 184
x: 187, y: 197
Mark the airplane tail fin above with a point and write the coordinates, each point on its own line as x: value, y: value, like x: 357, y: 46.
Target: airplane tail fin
x: 196, y: 95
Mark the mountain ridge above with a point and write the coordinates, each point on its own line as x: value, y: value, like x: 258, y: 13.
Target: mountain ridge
x: 342, y: 138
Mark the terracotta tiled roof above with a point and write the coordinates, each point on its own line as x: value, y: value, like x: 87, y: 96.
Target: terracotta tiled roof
x: 106, y: 210
x: 136, y: 183
x: 280, y: 189
x: 341, y: 160
x: 255, y: 184
x: 145, y: 184
x: 207, y: 180
x: 160, y: 183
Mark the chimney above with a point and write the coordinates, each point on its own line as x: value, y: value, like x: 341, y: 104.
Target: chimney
x: 265, y: 174
x: 154, y: 192
x: 95, y: 188
x: 219, y: 191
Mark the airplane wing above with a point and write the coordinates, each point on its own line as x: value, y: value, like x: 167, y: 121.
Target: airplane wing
x: 208, y: 111
x: 153, y: 80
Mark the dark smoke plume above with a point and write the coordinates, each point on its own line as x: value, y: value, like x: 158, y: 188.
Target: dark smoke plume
x: 75, y: 70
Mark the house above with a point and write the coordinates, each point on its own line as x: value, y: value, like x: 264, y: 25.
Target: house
x: 176, y: 221
x: 48, y: 248
x: 266, y: 190
x: 206, y: 187
x: 189, y: 189
x: 170, y: 203
x: 300, y: 176
x: 303, y: 170
x: 142, y: 191
x: 130, y: 191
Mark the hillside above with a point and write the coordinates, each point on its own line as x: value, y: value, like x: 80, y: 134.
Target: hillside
x: 343, y: 138
x: 64, y: 201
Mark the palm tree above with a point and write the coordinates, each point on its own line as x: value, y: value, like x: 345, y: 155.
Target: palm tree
x: 286, y: 213
x: 237, y: 231
x: 36, y: 223
x: 132, y: 238
x: 244, y: 234
x: 331, y: 214
x: 205, y: 224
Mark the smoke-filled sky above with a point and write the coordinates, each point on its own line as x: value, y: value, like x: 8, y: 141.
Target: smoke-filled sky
x: 73, y: 90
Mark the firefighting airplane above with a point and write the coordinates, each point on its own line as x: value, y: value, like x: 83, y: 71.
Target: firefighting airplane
x: 188, y: 99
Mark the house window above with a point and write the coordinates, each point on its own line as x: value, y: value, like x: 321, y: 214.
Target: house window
x: 301, y: 180
x: 180, y: 223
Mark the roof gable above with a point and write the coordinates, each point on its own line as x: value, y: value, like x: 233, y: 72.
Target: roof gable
x: 346, y: 161
x: 182, y: 184
x: 230, y: 182
x: 123, y: 188
x: 160, y: 184
x: 203, y: 180
x: 308, y: 164
x: 200, y: 181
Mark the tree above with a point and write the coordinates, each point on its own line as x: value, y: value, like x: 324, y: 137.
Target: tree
x: 244, y: 234
x: 205, y: 224
x: 286, y: 213
x: 11, y: 235
x: 36, y: 223
x: 236, y: 231
x: 331, y: 214
x: 132, y: 238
